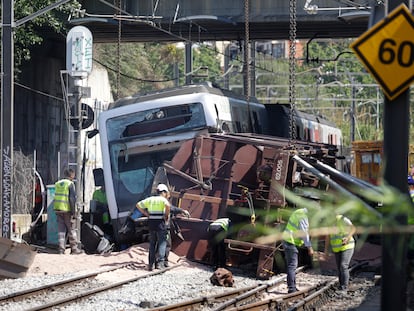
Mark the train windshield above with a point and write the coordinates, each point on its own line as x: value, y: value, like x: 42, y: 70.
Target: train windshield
x: 157, y: 121
x: 140, y: 142
x: 133, y: 174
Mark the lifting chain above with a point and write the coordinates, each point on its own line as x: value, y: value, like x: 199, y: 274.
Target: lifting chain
x: 247, y: 60
x: 292, y: 67
x: 118, y: 76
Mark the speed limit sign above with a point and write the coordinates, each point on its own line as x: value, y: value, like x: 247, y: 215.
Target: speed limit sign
x: 387, y: 51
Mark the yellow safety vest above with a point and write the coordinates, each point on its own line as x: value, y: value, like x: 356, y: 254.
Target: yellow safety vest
x: 61, y: 200
x: 155, y: 206
x: 336, y: 239
x: 222, y: 222
x: 292, y: 227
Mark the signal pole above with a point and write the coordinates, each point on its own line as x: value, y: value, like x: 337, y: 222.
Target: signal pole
x: 79, y: 46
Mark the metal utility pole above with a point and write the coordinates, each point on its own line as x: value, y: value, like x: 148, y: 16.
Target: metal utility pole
x: 188, y: 62
x: 7, y: 106
x: 394, y: 246
x: 79, y: 45
x: 386, y: 51
x: 353, y: 110
x: 7, y: 103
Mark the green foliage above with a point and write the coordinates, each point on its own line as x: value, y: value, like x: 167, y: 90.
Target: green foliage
x: 133, y: 67
x: 150, y: 66
x: 34, y: 31
x: 378, y: 210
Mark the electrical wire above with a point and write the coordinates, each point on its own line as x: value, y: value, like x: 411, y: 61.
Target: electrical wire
x: 38, y: 92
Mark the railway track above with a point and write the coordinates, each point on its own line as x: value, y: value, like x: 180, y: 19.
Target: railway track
x: 264, y: 296
x: 105, y: 286
x: 75, y: 289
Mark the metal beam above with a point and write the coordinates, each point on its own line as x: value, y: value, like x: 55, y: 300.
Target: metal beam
x: 7, y: 103
x: 394, y: 246
x: 38, y: 13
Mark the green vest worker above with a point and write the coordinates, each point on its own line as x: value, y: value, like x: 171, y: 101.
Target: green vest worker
x: 99, y: 195
x: 157, y: 209
x: 217, y: 232
x: 64, y: 207
x: 343, y: 245
x: 295, y: 235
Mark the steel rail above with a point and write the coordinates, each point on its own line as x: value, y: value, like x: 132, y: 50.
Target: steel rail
x: 191, y: 304
x: 255, y: 292
x: 303, y: 298
x: 69, y: 299
x: 26, y: 292
x: 316, y: 295
x: 230, y: 298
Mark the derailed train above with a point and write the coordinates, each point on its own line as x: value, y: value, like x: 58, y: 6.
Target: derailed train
x: 167, y: 129
x: 237, y: 176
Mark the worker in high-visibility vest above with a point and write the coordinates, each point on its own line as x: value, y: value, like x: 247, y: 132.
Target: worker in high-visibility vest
x: 218, y: 231
x: 295, y: 236
x: 157, y: 209
x: 64, y: 206
x: 101, y: 207
x: 342, y: 244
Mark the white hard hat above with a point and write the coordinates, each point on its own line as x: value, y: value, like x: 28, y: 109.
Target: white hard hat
x: 162, y: 187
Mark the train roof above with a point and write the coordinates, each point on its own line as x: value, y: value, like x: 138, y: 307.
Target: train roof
x: 176, y: 91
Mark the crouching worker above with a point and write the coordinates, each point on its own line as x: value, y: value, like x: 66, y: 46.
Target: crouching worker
x: 157, y: 209
x: 218, y: 231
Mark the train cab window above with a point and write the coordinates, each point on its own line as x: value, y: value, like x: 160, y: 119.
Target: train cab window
x: 298, y: 133
x: 256, y: 124
x: 306, y: 135
x: 330, y: 139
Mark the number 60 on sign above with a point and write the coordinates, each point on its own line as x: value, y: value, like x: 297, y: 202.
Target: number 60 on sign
x: 387, y: 51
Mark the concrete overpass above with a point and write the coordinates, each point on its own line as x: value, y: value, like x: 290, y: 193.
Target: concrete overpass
x: 218, y: 20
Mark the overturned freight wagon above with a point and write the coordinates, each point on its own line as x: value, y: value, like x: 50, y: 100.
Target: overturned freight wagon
x: 236, y: 176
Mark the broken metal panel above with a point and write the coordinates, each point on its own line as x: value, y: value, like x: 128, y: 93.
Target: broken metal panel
x: 195, y: 243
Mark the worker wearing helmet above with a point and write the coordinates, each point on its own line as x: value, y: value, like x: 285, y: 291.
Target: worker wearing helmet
x: 157, y: 209
x: 295, y: 236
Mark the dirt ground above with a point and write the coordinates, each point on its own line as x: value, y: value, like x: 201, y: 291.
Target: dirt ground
x: 50, y: 263
x: 137, y: 255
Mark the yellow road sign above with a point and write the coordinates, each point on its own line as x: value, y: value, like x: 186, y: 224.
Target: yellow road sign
x: 387, y: 51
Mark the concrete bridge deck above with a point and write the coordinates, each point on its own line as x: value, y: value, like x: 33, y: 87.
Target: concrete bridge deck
x: 217, y: 20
